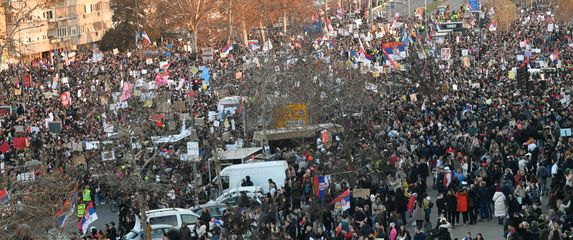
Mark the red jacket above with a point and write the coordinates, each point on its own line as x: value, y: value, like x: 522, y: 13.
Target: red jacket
x: 462, y: 200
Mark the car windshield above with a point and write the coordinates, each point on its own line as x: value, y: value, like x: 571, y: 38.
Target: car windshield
x: 158, y: 233
x: 168, y: 220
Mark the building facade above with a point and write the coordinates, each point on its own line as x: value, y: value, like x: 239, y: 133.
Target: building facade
x: 39, y: 26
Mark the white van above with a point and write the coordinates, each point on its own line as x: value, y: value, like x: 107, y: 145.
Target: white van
x: 173, y: 217
x: 258, y: 172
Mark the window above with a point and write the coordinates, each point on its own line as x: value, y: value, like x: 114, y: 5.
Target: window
x: 225, y: 181
x: 62, y: 32
x: 88, y: 8
x: 168, y: 220
x: 189, y: 219
x: 48, y: 15
x: 73, y: 30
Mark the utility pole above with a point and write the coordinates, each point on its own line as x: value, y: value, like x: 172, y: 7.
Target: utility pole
x: 137, y: 21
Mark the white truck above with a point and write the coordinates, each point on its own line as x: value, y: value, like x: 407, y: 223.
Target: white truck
x: 258, y: 172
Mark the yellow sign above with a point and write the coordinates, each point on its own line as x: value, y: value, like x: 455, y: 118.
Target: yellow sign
x: 292, y: 115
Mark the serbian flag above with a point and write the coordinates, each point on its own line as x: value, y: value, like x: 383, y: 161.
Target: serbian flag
x: 89, y: 217
x: 226, y: 50
x: 321, y: 184
x: 342, y: 202
x: 62, y: 217
x: 392, y: 63
x: 164, y: 65
x: 65, y: 99
x: 4, y: 197
x: 254, y: 45
x: 146, y: 39
x: 366, y: 55
x: 554, y: 56
x: 492, y: 26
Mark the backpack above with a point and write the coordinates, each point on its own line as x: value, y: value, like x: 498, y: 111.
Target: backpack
x: 431, y: 204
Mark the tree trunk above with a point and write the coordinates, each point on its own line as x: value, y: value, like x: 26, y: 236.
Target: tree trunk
x: 285, y: 23
x: 263, y: 35
x: 229, y: 38
x: 194, y: 39
x: 142, y: 208
x: 245, y: 33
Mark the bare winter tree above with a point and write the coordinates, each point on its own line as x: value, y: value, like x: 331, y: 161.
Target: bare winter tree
x: 19, y: 15
x: 33, y: 206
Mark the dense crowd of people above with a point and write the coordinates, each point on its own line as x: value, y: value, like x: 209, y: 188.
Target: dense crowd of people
x: 475, y: 145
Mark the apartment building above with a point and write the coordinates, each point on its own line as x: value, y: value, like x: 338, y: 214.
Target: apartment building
x: 58, y: 24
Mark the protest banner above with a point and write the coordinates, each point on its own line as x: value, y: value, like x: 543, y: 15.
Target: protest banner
x: 5, y: 110
x: 54, y: 126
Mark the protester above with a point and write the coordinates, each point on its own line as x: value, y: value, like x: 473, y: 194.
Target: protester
x: 492, y: 142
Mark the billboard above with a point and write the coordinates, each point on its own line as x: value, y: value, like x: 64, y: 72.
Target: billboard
x: 292, y: 115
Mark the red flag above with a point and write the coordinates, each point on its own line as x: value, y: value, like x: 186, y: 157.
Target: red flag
x: 20, y: 143
x: 65, y: 99
x: 4, y: 147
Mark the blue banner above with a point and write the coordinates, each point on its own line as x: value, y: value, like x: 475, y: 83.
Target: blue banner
x: 473, y: 5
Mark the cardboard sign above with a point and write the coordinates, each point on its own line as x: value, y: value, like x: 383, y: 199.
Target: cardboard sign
x: 207, y: 54
x: 27, y: 80
x: 565, y: 132
x: 54, y: 126
x: 361, y: 192
x: 193, y: 149
x: 180, y: 106
x: 446, y: 54
x: 5, y: 110
x: 107, y: 156
x: 92, y: 145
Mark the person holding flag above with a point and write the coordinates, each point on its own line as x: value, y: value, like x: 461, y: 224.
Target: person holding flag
x: 89, y: 217
x: 342, y: 202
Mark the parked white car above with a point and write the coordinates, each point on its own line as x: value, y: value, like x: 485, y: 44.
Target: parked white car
x: 157, y: 232
x: 231, y: 196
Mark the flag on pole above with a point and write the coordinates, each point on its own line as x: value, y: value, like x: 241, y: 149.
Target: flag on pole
x: 145, y: 38
x: 226, y: 50
x: 321, y: 184
x: 493, y: 26
x: 342, y: 202
x: 164, y: 65
x: 89, y: 217
x: 554, y: 56
x: 62, y: 217
x: 392, y: 63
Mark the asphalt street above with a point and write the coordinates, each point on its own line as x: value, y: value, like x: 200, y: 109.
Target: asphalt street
x: 489, y: 229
